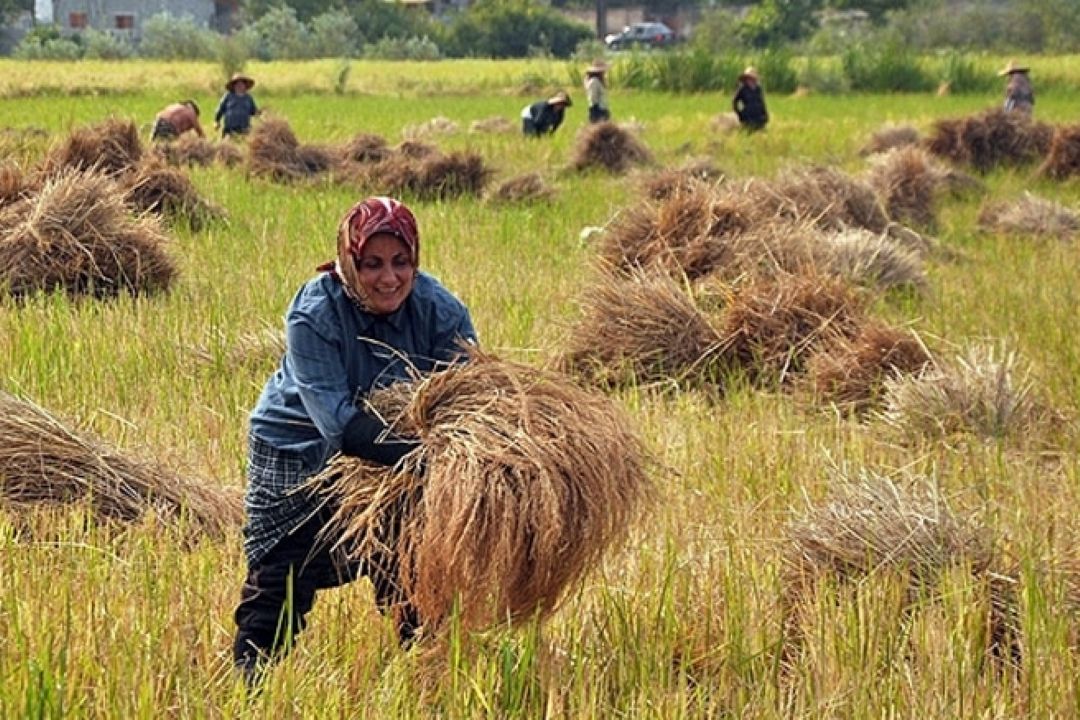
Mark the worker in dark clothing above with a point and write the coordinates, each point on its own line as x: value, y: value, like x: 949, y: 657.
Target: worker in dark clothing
x: 749, y: 102
x: 237, y: 107
x: 544, y: 117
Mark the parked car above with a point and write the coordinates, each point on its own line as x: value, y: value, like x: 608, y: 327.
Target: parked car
x: 644, y: 34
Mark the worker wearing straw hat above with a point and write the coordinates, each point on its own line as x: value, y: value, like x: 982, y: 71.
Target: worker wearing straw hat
x: 596, y: 92
x: 237, y: 107
x: 1019, y: 95
x: 749, y: 101
x: 545, y: 116
x: 369, y: 319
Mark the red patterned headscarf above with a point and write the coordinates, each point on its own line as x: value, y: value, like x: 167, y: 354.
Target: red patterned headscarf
x: 363, y: 220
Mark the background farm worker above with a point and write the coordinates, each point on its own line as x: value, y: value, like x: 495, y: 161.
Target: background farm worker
x: 175, y: 120
x: 545, y: 117
x: 749, y: 101
x: 367, y: 320
x: 237, y: 107
x: 596, y: 92
x: 1019, y: 95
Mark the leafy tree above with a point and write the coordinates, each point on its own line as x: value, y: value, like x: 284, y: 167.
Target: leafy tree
x: 11, y: 9
x: 377, y: 19
x: 775, y: 22
x: 876, y: 9
x: 513, y: 28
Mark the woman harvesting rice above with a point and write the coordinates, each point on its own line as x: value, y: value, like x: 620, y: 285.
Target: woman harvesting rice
x: 368, y: 320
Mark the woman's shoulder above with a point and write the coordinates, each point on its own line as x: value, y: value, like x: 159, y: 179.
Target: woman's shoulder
x: 318, y: 297
x: 431, y: 293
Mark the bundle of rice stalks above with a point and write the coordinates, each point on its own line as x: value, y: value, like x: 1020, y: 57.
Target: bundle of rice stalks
x: 1063, y: 157
x: 228, y: 154
x: 869, y: 259
x: 43, y: 462
x: 366, y: 148
x: 890, y: 137
x: 274, y: 152
x: 830, y: 197
x: 906, y: 182
x: 610, y: 147
x: 771, y: 326
x: 435, y: 126
x: 494, y: 124
x: 990, y: 139
x: 12, y: 183
x: 691, y: 233
x: 416, y: 149
x: 987, y: 393
x: 528, y: 481
x: 725, y: 123
x: 529, y: 187
x: 262, y: 348
x: 77, y: 234
x: 1030, y: 216
x: 874, y: 526
x: 851, y: 372
x: 112, y: 147
x: 158, y: 188
x: 434, y: 176
x: 663, y: 184
x: 188, y: 149
x: 641, y: 328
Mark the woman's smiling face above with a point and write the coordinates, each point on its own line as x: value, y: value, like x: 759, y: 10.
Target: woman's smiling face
x: 385, y: 272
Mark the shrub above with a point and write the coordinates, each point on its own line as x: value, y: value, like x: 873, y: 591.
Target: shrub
x: 45, y: 43
x: 333, y: 34
x: 886, y: 66
x: 169, y: 37
x: 100, y: 45
x: 823, y: 77
x: 410, y: 48
x: 777, y: 71
x: 513, y: 28
x: 713, y: 32
x: 278, y: 35
x: 963, y: 76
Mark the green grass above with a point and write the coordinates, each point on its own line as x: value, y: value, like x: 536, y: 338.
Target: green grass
x: 685, y: 622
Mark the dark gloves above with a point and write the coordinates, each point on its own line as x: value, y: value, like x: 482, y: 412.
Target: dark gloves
x: 364, y: 438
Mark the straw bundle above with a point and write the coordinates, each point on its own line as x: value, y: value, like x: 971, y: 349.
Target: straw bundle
x: 641, y: 328
x: 610, y: 147
x: 990, y: 139
x: 187, y: 150
x: 906, y: 182
x: 416, y: 149
x: 665, y: 183
x: 890, y: 137
x: 1031, y: 216
x: 1063, y: 157
x: 366, y: 148
x: 494, y: 124
x: 438, y: 125
x: 869, y: 259
x: 529, y: 480
x: 112, y: 147
x: 985, y: 393
x: 78, y: 235
x: 528, y: 187
x: 432, y: 176
x: 274, y: 152
x: 228, y: 154
x: 43, y: 462
x: 851, y: 372
x: 772, y: 326
x: 262, y: 347
x: 829, y: 197
x: 158, y: 188
x: 725, y: 123
x: 12, y: 183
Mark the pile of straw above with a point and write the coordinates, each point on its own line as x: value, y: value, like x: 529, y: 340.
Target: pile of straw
x: 432, y: 176
x: 12, y: 183
x: 528, y: 187
x: 438, y: 125
x: 416, y: 149
x: 990, y: 139
x: 228, y: 154
x: 890, y: 137
x: 608, y: 146
x: 494, y: 124
x: 1063, y: 158
x: 1031, y: 216
x: 43, y: 462
x: 665, y: 183
x: 906, y: 181
x: 366, y: 148
x: 155, y: 187
x: 187, y: 149
x: 261, y: 348
x: 869, y: 259
x: 274, y: 152
x: 641, y: 328
x: 77, y: 234
x: 112, y: 147
x: 528, y: 480
x: 851, y: 372
x: 987, y: 393
x: 829, y: 197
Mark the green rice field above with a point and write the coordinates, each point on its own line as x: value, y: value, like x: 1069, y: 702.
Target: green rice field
x: 688, y: 619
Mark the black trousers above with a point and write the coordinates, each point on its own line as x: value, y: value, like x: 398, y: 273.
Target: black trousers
x: 598, y: 114
x: 280, y: 590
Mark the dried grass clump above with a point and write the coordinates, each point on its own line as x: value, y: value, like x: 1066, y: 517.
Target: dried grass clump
x: 528, y: 187
x: 691, y: 233
x: 771, y: 326
x: 1063, y: 158
x: 641, y: 328
x: 112, y: 147
x: 829, y: 197
x: 416, y: 149
x: 274, y: 152
x: 529, y: 480
x: 987, y: 393
x: 228, y: 154
x: 610, y: 147
x: 158, y: 188
x: 77, y: 234
x: 906, y: 182
x: 432, y: 176
x: 1030, y: 216
x: 494, y: 124
x: 262, y: 348
x: 725, y: 123
x: 366, y: 148
x: 12, y: 183
x: 438, y: 125
x: 890, y: 137
x: 43, y: 462
x: 851, y: 372
x: 869, y: 259
x: 187, y: 150
x: 990, y: 139
x: 665, y: 183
